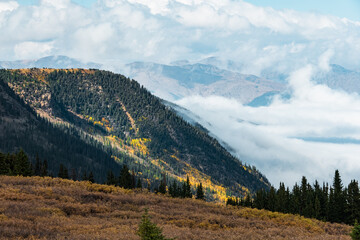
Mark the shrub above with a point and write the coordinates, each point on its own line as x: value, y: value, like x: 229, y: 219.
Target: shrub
x: 355, y: 234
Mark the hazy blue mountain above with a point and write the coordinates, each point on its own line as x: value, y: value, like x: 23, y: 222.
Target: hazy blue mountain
x: 340, y: 78
x: 59, y: 62
x: 172, y: 82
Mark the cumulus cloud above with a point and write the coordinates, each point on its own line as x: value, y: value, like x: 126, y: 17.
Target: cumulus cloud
x: 313, y: 133
x: 119, y: 32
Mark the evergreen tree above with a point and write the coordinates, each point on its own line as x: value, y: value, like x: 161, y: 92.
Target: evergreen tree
x: 110, y: 180
x: 281, y: 199
x: 260, y: 199
x: 63, y: 172
x: 22, y: 165
x: 271, y: 199
x: 337, y: 207
x: 4, y: 166
x: 139, y: 184
x: 162, y: 187
x: 199, y: 192
x: 125, y: 178
x: 84, y: 176
x: 148, y: 230
x: 44, y: 171
x: 37, y: 166
x: 355, y: 233
x: 352, y: 202
x: 174, y: 190
x: 187, y: 188
x: 91, y: 177
x: 247, y: 201
x: 304, y: 195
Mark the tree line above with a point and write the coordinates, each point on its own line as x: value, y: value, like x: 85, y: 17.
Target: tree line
x: 334, y: 203
x: 18, y: 163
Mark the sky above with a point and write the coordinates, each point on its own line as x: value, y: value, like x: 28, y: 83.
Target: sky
x: 345, y: 8
x: 296, y: 38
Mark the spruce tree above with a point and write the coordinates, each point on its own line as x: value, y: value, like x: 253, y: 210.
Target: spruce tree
x: 110, y: 180
x: 91, y: 177
x: 353, y: 202
x: 63, y: 172
x: 125, y: 178
x: 355, y: 233
x: 162, y: 187
x: 148, y: 230
x: 139, y: 184
x: 188, y: 193
x: 199, y: 192
x: 337, y: 209
x: 37, y: 166
x: 22, y: 165
x: 44, y: 167
x: 4, y: 166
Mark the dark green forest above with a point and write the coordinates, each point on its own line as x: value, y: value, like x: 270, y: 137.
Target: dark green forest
x: 334, y: 203
x: 22, y: 128
x: 103, y: 96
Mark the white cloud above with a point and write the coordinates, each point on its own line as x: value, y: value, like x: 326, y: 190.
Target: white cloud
x: 33, y: 50
x: 276, y: 139
x: 141, y: 30
x: 8, y: 6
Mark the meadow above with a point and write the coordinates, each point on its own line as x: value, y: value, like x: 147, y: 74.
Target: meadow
x: 54, y: 208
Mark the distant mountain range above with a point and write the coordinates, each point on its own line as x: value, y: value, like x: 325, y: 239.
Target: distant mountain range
x: 59, y: 62
x: 173, y: 82
x: 210, y: 76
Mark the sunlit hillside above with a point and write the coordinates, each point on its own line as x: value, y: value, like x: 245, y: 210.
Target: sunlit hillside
x: 49, y: 208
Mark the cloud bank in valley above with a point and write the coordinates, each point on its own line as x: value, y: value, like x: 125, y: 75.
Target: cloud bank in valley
x: 313, y: 133
x: 117, y: 32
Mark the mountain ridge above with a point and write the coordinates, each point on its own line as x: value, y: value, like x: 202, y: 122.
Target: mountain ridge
x: 168, y: 142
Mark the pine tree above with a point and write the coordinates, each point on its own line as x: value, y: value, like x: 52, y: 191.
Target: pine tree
x: 174, y: 190
x: 199, y: 192
x: 271, y: 199
x: 4, y: 166
x: 91, y: 177
x: 44, y: 167
x: 187, y: 193
x: 337, y: 207
x: 84, y: 176
x: 110, y: 180
x: 148, y: 230
x: 355, y: 233
x: 281, y: 198
x: 162, y: 187
x: 353, y: 202
x: 260, y: 199
x: 22, y: 165
x: 63, y: 172
x: 37, y: 166
x: 304, y: 193
x: 247, y: 202
x: 125, y: 178
x: 139, y: 184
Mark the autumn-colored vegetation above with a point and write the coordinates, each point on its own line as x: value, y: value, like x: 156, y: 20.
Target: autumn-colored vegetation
x: 54, y: 208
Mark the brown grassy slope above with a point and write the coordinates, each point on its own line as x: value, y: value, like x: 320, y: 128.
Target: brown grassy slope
x: 46, y: 208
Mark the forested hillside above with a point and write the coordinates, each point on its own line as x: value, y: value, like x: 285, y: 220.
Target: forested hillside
x: 123, y: 121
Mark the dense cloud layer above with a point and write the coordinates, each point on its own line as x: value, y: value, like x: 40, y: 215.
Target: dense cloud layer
x: 313, y: 133
x: 122, y: 31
